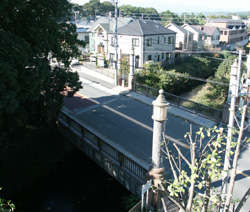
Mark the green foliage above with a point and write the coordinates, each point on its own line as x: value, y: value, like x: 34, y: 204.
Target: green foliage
x: 32, y: 32
x: 222, y: 75
x: 95, y: 7
x: 125, y: 67
x: 6, y: 205
x: 193, y: 19
x: 175, y: 79
x: 168, y: 17
x: 138, y: 12
x: 205, y: 166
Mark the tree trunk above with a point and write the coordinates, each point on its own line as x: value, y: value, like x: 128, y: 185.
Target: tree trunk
x: 207, y: 195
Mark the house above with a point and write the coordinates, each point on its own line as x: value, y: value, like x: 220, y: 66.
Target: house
x: 212, y: 40
x: 232, y: 32
x: 98, y: 32
x: 198, y: 37
x: 184, y: 38
x: 151, y: 42
x: 83, y: 34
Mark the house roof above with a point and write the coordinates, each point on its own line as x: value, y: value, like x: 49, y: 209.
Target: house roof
x: 121, y: 21
x: 144, y: 27
x: 184, y: 31
x: 209, y: 30
x: 194, y: 28
x: 81, y: 30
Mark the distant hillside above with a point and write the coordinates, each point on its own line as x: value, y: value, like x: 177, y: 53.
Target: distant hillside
x: 227, y: 13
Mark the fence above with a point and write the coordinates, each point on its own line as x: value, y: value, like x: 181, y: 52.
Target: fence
x: 180, y: 102
x: 114, y: 160
x: 108, y: 73
x: 168, y: 206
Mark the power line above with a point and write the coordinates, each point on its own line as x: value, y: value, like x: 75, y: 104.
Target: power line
x: 182, y: 76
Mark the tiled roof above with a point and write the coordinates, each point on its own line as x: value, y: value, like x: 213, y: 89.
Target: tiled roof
x: 144, y: 27
x: 209, y: 30
x: 111, y: 21
x: 194, y: 28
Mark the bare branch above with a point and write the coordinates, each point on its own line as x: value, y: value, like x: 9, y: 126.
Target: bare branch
x: 175, y: 163
x: 236, y: 120
x: 170, y: 162
x: 180, y: 153
x: 243, y: 143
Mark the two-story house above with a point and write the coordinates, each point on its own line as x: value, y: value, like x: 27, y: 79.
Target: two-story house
x: 184, y: 38
x: 151, y: 42
x: 98, y: 32
x: 212, y: 40
x: 199, y: 37
x: 231, y: 32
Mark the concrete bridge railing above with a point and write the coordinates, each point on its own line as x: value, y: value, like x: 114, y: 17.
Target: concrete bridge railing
x: 119, y: 163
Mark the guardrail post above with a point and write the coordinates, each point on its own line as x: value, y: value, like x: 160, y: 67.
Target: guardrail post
x: 196, y: 108
x: 120, y: 158
x: 147, y: 90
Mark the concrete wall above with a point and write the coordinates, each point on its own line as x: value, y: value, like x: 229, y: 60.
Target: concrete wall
x: 124, y: 167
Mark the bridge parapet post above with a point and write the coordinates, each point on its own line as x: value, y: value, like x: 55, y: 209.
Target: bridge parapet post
x: 159, y: 116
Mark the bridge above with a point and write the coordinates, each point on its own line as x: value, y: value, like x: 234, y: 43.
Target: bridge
x: 114, y: 128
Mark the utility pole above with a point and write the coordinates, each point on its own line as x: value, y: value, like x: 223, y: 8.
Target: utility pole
x: 248, y: 76
x: 131, y: 74
x: 116, y: 42
x: 234, y: 95
x: 76, y: 12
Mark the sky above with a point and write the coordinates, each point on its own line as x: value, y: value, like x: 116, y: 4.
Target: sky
x: 179, y: 6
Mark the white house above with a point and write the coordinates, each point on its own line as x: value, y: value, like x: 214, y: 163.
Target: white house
x: 98, y: 32
x: 213, y: 35
x: 198, y: 38
x: 184, y: 38
x: 151, y: 42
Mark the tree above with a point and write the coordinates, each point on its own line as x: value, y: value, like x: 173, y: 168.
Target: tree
x: 31, y: 89
x: 191, y: 188
x: 169, y: 17
x: 107, y: 7
x: 92, y: 7
x: 139, y: 12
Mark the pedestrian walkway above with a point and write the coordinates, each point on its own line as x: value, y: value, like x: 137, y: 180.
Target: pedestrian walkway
x: 107, y: 82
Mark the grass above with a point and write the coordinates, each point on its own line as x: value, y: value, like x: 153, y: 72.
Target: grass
x: 207, y: 96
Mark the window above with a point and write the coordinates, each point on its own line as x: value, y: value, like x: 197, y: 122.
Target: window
x: 149, y: 57
x: 170, y: 40
x: 135, y: 41
x: 86, y: 38
x: 165, y: 40
x: 112, y: 41
x: 112, y: 57
x: 168, y: 55
x: 158, y: 41
x: 225, y: 32
x: 149, y: 42
x: 162, y: 55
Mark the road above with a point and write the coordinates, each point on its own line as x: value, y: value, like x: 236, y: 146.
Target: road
x: 128, y: 123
